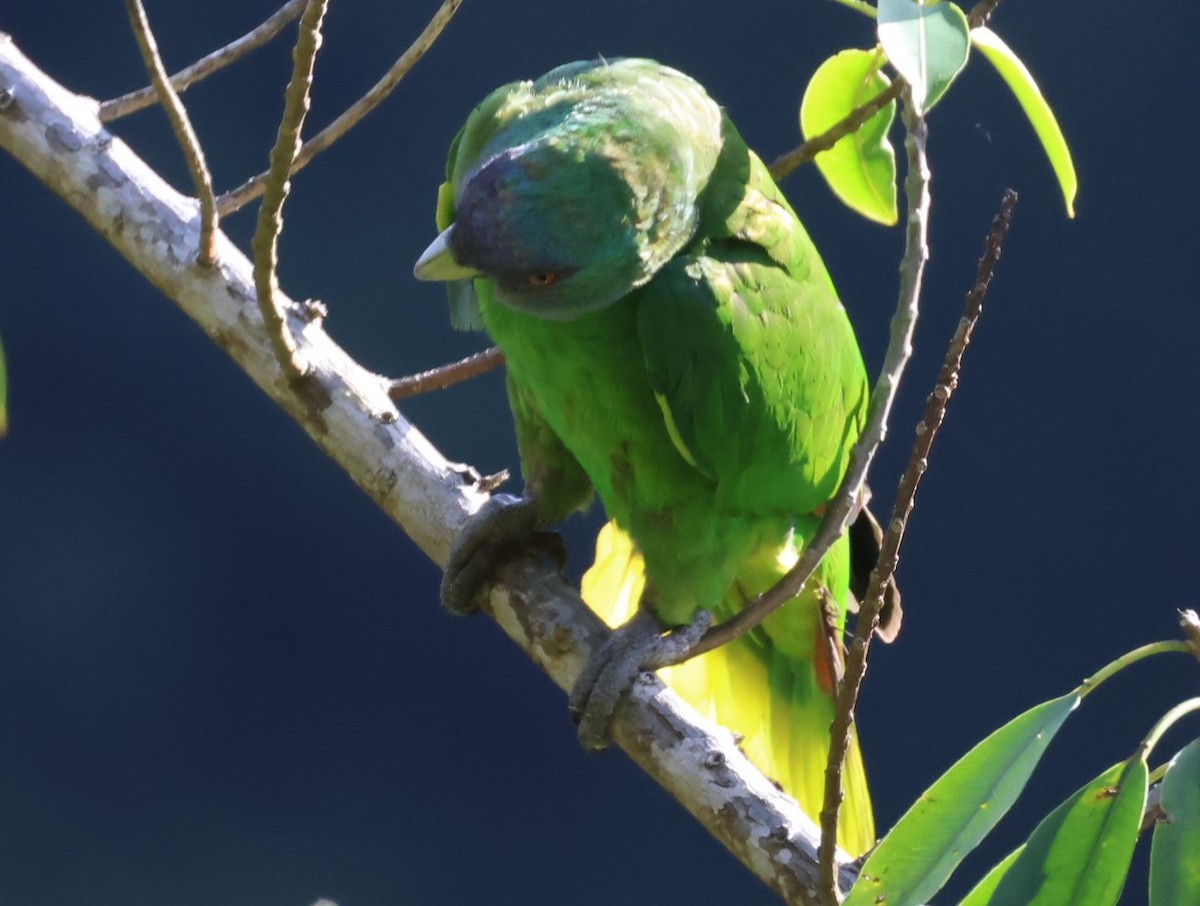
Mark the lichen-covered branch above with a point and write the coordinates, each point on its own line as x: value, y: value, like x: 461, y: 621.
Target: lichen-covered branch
x: 58, y: 137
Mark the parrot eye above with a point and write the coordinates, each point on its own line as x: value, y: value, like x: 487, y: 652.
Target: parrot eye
x: 543, y: 278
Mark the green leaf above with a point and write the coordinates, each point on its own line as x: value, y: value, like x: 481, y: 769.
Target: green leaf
x: 914, y: 860
x: 1022, y: 85
x: 861, y: 167
x: 1080, y: 852
x: 928, y: 44
x: 1175, y: 852
x: 982, y: 892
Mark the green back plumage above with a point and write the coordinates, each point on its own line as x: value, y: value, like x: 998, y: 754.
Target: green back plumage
x: 674, y: 342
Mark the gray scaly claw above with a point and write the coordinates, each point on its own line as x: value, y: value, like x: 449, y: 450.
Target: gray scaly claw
x: 637, y: 646
x: 504, y: 521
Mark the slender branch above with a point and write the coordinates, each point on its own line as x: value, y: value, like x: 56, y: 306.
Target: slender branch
x: 56, y: 135
x: 873, y: 601
x: 252, y: 188
x: 899, y: 351
x: 848, y: 125
x: 181, y: 126
x: 270, y: 215
x: 446, y: 375
x: 203, y: 68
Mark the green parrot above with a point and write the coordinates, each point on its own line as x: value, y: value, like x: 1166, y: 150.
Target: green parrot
x: 674, y: 344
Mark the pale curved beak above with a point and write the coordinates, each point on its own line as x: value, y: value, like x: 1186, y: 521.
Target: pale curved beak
x: 437, y: 262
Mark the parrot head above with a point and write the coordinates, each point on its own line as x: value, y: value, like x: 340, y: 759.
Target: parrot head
x: 570, y: 191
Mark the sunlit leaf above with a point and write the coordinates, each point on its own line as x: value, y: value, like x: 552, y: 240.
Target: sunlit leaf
x: 1080, y: 852
x: 861, y: 167
x: 1175, y: 852
x: 928, y: 44
x: 914, y: 860
x: 1022, y: 85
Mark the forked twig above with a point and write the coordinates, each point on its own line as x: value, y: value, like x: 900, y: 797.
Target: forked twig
x: 275, y: 189
x: 144, y: 97
x: 182, y: 127
x: 885, y: 567
x: 253, y: 187
x: 446, y: 375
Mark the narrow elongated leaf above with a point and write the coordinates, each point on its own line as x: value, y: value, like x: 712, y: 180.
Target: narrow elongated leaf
x: 1175, y: 852
x: 927, y: 43
x: 1080, y: 852
x: 861, y: 167
x: 1041, y: 117
x: 914, y: 860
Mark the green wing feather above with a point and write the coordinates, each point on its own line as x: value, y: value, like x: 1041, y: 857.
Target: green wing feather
x: 750, y: 352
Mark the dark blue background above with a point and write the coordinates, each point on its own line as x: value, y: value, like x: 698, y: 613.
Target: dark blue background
x: 224, y: 676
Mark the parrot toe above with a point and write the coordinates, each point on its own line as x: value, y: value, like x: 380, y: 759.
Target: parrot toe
x: 632, y: 648
x: 501, y: 525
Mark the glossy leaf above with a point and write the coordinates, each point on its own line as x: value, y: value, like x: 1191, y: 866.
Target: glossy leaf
x: 927, y: 43
x: 914, y: 860
x: 1080, y: 852
x: 861, y: 167
x: 1175, y: 852
x: 1041, y: 117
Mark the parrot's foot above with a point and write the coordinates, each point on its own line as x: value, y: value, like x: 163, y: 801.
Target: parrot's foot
x: 634, y: 647
x: 502, y: 524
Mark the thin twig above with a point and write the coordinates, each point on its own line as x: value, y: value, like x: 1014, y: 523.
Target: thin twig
x: 446, y: 375
x: 206, y: 66
x: 252, y: 188
x: 848, y: 125
x: 899, y: 351
x: 1190, y: 623
x: 182, y: 127
x: 270, y: 215
x: 872, y: 604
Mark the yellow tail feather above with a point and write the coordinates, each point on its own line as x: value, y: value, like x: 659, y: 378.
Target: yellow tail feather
x: 772, y: 700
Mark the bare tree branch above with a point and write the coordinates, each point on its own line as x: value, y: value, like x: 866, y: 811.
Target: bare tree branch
x: 181, y: 126
x: 889, y: 554
x: 446, y: 375
x: 252, y: 188
x: 58, y: 137
x: 275, y: 189
x: 203, y: 68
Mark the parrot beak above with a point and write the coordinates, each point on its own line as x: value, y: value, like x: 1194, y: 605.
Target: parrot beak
x: 437, y: 262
